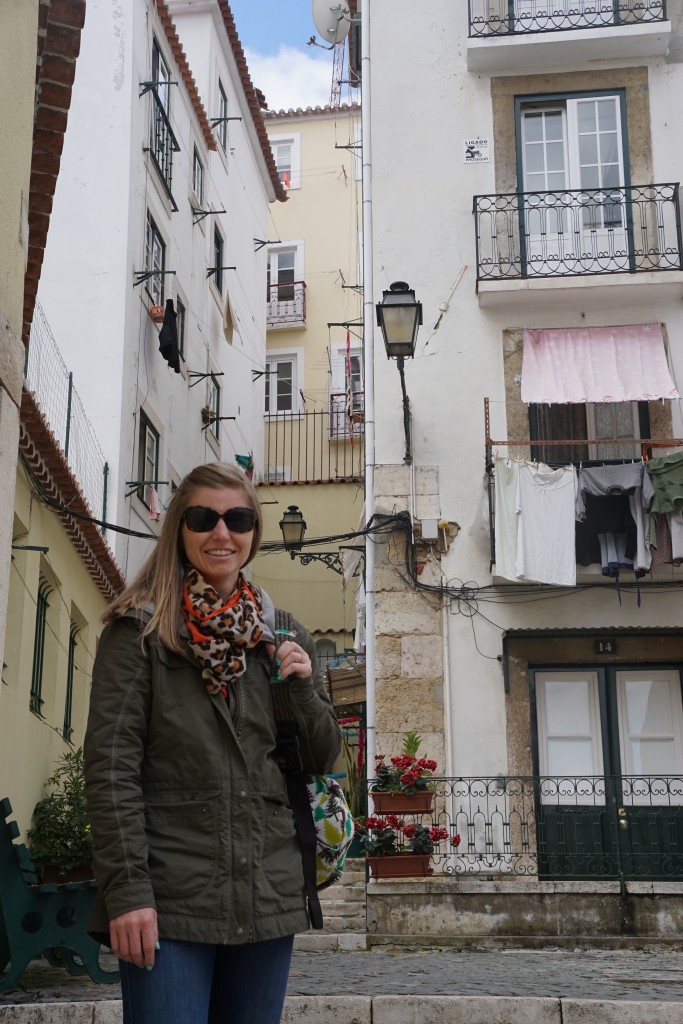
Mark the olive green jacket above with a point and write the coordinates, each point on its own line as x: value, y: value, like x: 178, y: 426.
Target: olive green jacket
x: 187, y: 803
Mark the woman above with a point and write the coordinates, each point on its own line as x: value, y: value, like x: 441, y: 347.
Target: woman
x: 200, y: 883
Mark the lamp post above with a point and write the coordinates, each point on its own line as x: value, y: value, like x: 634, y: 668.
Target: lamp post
x: 399, y: 316
x: 293, y: 527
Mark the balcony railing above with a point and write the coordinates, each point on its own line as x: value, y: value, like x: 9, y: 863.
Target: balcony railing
x: 347, y: 414
x: 286, y: 304
x: 517, y: 17
x: 52, y: 383
x: 163, y: 144
x: 578, y: 231
x: 562, y: 827
x: 310, y: 447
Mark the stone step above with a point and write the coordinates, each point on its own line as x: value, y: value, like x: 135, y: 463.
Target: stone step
x: 343, y: 908
x: 334, y: 925
x: 321, y: 942
x: 353, y: 893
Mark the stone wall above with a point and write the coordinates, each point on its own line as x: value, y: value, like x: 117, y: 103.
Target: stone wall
x: 408, y: 626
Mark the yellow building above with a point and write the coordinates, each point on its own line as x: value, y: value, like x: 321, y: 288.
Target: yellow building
x: 314, y: 380
x: 56, y: 570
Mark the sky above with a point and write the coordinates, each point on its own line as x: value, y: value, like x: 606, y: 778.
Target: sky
x: 274, y: 34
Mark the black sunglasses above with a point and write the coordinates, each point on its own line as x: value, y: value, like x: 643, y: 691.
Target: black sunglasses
x: 201, y: 519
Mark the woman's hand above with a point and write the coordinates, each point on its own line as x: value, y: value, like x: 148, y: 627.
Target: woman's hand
x: 293, y: 661
x: 134, y: 936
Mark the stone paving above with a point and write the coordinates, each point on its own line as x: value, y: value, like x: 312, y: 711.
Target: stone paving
x: 651, y: 975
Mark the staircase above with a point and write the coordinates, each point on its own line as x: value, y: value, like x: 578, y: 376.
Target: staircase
x: 344, y: 914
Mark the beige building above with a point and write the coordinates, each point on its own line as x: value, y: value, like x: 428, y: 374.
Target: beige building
x: 56, y: 570
x: 314, y: 380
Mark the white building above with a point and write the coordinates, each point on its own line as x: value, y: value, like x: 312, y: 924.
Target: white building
x: 163, y: 194
x: 521, y: 182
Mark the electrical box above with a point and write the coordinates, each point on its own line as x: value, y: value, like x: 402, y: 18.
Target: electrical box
x: 430, y: 529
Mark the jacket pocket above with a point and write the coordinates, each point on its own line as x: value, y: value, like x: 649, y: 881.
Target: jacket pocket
x: 182, y: 838
x: 279, y: 872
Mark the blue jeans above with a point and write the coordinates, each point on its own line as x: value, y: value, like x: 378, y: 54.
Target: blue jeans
x: 198, y: 983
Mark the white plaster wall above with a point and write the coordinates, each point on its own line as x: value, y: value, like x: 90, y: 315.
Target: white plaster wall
x: 97, y: 241
x: 424, y: 234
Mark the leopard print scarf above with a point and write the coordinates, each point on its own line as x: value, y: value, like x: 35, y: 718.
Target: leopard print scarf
x: 221, y: 633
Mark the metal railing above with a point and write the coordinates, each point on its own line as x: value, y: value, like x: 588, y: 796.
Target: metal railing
x: 578, y: 231
x: 306, y: 447
x: 46, y: 374
x: 517, y: 17
x: 562, y: 827
x: 286, y: 304
x: 163, y: 143
x: 347, y: 414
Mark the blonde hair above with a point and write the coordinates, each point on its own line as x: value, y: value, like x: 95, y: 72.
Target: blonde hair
x: 159, y: 583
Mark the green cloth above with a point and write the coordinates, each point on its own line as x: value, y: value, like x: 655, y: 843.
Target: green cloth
x: 667, y: 479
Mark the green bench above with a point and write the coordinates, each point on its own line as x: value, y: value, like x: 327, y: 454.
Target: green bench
x: 48, y: 920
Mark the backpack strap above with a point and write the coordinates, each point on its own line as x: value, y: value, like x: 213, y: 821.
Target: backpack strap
x: 289, y: 759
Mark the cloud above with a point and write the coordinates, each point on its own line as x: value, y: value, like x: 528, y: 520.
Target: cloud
x: 292, y: 78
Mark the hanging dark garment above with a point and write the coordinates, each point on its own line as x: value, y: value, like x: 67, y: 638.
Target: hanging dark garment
x: 168, y: 337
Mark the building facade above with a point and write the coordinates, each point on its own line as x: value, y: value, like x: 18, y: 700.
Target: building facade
x: 314, y: 405
x: 167, y: 204
x: 543, y: 238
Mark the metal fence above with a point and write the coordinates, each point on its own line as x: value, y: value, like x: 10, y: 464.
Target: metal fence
x: 46, y: 374
x: 568, y: 827
x: 578, y: 231
x: 286, y: 304
x: 312, y: 447
x: 511, y: 17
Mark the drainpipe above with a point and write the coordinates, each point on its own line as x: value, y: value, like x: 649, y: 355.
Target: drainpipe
x: 369, y: 344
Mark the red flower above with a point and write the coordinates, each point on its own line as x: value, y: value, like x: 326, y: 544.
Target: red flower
x: 378, y: 824
x: 409, y: 778
x: 379, y: 757
x: 409, y: 831
x: 393, y: 821
x: 455, y: 841
x: 436, y: 833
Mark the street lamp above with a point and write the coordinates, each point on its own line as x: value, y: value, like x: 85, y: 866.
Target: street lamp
x: 293, y: 527
x: 399, y: 316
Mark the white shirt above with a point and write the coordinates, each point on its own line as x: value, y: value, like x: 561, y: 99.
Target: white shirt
x: 546, y: 500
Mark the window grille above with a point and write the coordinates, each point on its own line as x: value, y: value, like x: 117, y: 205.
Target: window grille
x: 70, y: 668
x: 42, y: 605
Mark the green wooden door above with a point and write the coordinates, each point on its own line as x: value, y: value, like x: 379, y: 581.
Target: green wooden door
x: 610, y: 761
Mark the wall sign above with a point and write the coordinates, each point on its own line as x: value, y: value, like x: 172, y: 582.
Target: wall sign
x: 476, y: 151
x: 605, y: 647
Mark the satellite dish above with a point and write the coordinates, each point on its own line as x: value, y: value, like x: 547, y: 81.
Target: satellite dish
x: 332, y: 19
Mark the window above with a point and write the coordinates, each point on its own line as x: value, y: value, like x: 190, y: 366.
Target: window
x: 573, y: 144
x: 214, y: 403
x: 347, y: 404
x: 148, y: 459
x: 70, y: 669
x: 620, y: 421
x: 218, y: 259
x: 163, y: 142
x: 281, y: 384
x: 198, y: 176
x: 223, y: 114
x: 42, y: 605
x: 287, y: 155
x: 180, y: 326
x: 281, y: 275
x: 155, y: 260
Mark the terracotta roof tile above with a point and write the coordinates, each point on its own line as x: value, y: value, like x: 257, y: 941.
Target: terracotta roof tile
x: 184, y: 68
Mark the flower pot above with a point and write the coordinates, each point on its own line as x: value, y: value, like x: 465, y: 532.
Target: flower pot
x: 157, y: 314
x: 51, y: 873
x: 403, y: 803
x: 403, y: 865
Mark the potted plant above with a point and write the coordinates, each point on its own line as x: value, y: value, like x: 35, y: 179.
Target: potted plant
x: 395, y: 850
x: 403, y: 785
x: 157, y: 314
x: 59, y: 838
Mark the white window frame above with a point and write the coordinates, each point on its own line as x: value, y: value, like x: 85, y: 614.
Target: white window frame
x: 218, y: 278
x: 294, y: 356
x: 213, y: 401
x: 222, y: 113
x: 155, y: 259
x: 147, y: 429
x: 564, y: 793
x: 198, y: 176
x: 293, y: 140
x: 643, y: 795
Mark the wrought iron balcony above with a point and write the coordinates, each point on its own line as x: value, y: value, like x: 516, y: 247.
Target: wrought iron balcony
x: 162, y: 144
x: 516, y: 17
x: 347, y: 414
x: 286, y: 304
x: 625, y: 229
x: 313, y: 446
x: 563, y: 827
